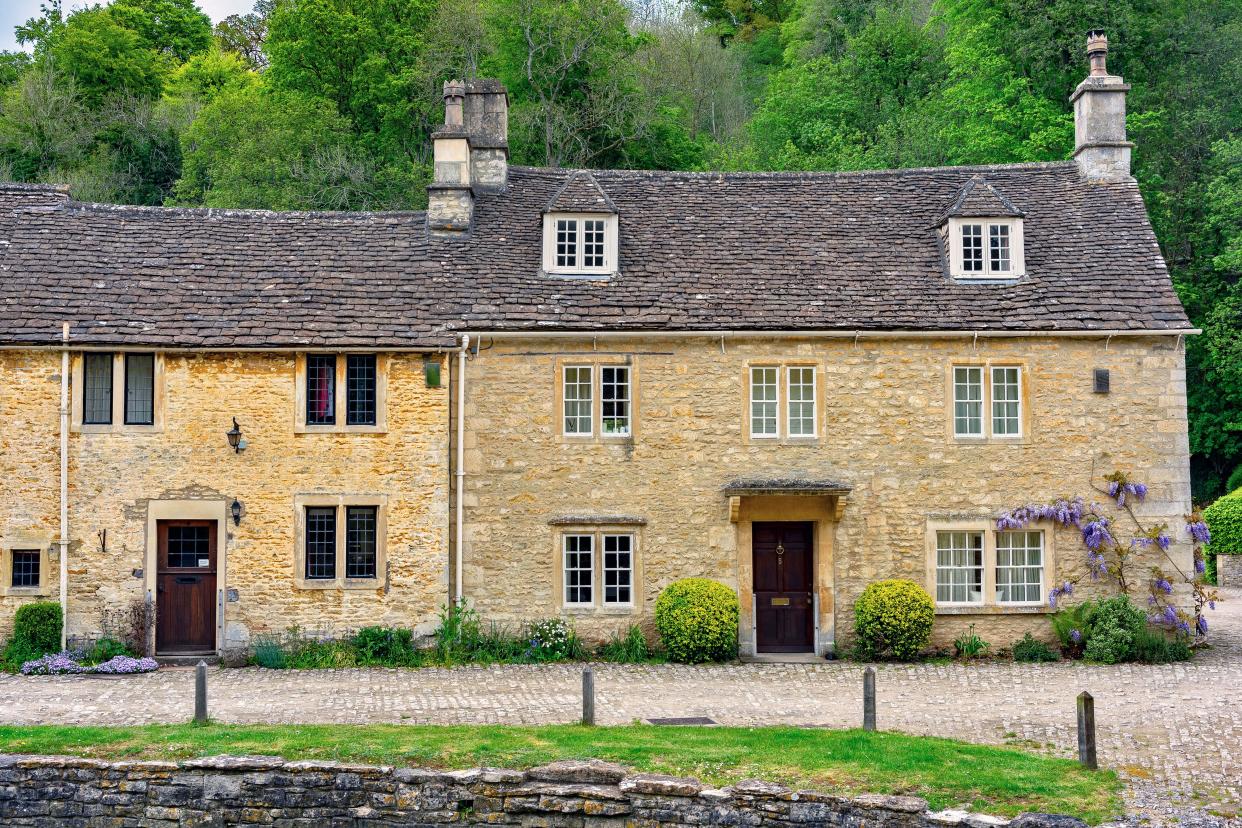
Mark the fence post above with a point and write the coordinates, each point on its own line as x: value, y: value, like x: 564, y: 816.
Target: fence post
x: 1086, y: 730
x: 588, y: 696
x: 869, y: 699
x: 200, y: 693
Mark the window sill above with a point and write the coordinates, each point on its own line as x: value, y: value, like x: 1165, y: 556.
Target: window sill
x: 588, y: 609
x: 994, y: 609
x: 101, y: 428
x: 26, y: 592
x: 367, y: 585
x: 313, y: 429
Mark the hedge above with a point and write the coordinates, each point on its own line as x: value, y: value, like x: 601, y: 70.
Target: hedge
x: 1224, y: 519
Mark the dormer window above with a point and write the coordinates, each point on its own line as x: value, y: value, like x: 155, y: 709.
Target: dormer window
x: 986, y: 248
x: 579, y: 243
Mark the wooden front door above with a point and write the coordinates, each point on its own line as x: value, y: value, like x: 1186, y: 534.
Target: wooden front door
x: 186, y: 584
x: 784, y: 609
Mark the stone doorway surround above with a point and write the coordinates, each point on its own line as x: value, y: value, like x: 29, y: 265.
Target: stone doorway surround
x: 204, y: 509
x: 759, y: 500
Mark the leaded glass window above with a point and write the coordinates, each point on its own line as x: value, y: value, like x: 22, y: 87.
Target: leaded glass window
x: 26, y: 567
x: 618, y: 569
x: 321, y: 389
x: 959, y: 567
x: 189, y: 547
x: 360, y: 384
x: 96, y: 388
x: 579, y: 566
x: 139, y: 389
x: 614, y: 400
x: 593, y: 243
x: 566, y: 242
x: 1019, y: 567
x: 763, y: 401
x: 998, y: 237
x: 360, y: 541
x: 320, y: 542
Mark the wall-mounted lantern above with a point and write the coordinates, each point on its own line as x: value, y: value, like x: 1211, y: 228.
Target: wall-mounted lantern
x: 235, y: 437
x: 235, y: 510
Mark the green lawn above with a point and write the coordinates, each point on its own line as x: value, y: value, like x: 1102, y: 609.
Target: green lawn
x: 946, y: 773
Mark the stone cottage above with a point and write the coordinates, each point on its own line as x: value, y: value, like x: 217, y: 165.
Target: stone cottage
x: 556, y: 391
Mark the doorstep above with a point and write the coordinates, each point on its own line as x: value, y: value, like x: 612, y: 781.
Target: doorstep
x: 783, y: 658
x: 186, y: 659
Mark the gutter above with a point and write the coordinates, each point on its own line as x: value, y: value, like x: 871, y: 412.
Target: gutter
x: 834, y: 334
x: 64, y: 487
x: 461, y: 459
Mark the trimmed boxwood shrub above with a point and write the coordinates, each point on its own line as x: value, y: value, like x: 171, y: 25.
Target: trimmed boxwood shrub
x: 1224, y: 519
x: 893, y: 619
x: 697, y: 621
x: 36, y: 632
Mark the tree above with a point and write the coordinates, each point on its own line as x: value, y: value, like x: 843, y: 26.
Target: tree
x: 44, y: 124
x: 244, y: 34
x: 173, y: 27
x: 104, y: 57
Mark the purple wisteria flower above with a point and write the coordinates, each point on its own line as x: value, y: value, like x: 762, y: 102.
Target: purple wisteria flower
x: 1199, y: 531
x: 1200, y: 566
x: 125, y: 664
x: 1120, y: 491
x: 1076, y: 636
x: 1163, y: 541
x: 1184, y: 627
x: 1095, y: 534
x: 1163, y: 585
x: 1064, y: 512
x: 1202, y: 625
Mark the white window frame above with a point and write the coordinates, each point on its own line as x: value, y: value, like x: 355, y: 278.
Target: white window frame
x: 990, y: 602
x: 775, y: 402
x: 590, y: 400
x: 997, y: 567
x: 789, y: 402
x: 992, y: 402
x: 550, y: 263
x: 628, y: 399
x: 605, y: 569
x: 589, y: 569
x: 983, y: 566
x: 982, y: 402
x: 1017, y: 253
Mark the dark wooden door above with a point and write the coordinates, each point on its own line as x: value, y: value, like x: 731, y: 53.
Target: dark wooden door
x: 186, y: 583
x: 784, y: 609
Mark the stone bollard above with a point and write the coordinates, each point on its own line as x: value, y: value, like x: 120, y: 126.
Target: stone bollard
x: 200, y: 693
x: 588, y: 696
x: 1086, y: 730
x: 869, y: 699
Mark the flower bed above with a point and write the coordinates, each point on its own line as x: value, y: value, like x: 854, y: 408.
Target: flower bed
x: 63, y: 663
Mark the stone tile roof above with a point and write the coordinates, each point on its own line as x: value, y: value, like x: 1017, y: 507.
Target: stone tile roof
x: 581, y: 194
x: 698, y: 251
x: 979, y: 199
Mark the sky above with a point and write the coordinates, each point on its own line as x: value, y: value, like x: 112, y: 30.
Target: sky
x: 15, y: 12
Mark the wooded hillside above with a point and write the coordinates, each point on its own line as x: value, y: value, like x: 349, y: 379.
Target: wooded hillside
x: 329, y: 104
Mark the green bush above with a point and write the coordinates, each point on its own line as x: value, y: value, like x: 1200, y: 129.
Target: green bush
x: 1073, y: 627
x: 969, y: 645
x: 551, y: 640
x: 1224, y: 519
x: 1115, y: 625
x: 36, y: 632
x: 893, y: 619
x: 1155, y: 647
x: 1031, y: 650
x: 105, y: 649
x: 697, y: 621
x: 389, y: 646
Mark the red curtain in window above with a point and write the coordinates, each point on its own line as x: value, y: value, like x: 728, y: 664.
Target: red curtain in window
x: 320, y: 391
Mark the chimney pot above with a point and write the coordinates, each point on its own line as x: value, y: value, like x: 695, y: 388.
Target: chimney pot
x: 1097, y: 53
x: 454, y: 95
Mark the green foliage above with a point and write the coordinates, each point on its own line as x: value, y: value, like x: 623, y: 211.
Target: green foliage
x: 893, y: 619
x: 697, y: 621
x: 630, y: 648
x: 384, y: 645
x: 104, y: 57
x: 1156, y: 647
x: 174, y: 27
x: 969, y: 645
x: 1073, y: 626
x: 1115, y: 626
x: 1224, y: 519
x: 1031, y: 650
x: 269, y: 651
x: 37, y: 627
x: 104, y: 649
x: 552, y: 639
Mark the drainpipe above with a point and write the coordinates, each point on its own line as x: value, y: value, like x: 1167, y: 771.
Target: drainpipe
x: 64, y: 487
x: 461, y: 458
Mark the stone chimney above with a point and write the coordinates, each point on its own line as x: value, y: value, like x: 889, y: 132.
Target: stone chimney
x: 1100, y: 145
x: 471, y: 153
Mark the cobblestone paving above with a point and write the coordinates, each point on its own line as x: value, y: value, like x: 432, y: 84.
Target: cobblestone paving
x: 1175, y: 731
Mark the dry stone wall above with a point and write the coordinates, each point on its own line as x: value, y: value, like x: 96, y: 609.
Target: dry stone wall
x: 59, y: 791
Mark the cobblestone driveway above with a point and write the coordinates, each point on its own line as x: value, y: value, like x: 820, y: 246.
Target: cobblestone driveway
x: 1174, y: 731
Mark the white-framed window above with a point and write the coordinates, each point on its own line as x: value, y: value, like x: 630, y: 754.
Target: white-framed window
x: 578, y: 397
x: 579, y: 569
x: 959, y: 567
x: 618, y: 567
x: 800, y: 382
x: 614, y: 400
x: 1020, y: 567
x: 764, y: 401
x: 986, y: 248
x: 1006, y: 401
x: 580, y: 243
x: 968, y: 401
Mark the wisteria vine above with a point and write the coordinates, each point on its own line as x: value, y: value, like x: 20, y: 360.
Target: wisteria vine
x: 1109, y: 557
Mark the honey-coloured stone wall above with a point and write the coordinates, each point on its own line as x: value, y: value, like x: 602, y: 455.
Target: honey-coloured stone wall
x: 119, y: 480
x: 884, y: 430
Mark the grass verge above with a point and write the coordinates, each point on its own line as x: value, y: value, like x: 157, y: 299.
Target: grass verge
x: 945, y: 772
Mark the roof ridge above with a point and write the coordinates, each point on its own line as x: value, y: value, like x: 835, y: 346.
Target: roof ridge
x: 796, y: 174
x: 72, y: 205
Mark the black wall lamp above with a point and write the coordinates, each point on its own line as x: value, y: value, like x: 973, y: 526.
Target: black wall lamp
x: 235, y: 510
x: 235, y: 437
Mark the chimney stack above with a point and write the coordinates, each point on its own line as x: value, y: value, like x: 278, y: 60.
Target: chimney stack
x: 471, y: 153
x: 1100, y: 145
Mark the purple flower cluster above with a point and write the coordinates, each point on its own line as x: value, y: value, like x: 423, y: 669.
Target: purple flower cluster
x: 1200, y: 565
x: 1163, y: 541
x: 1056, y: 592
x: 52, y: 664
x: 1097, y: 565
x: 64, y: 663
x: 1064, y: 512
x: 126, y: 664
x: 1162, y: 584
x: 1202, y: 625
x: 1199, y: 531
x: 1167, y: 616
x: 1076, y: 636
x: 1119, y: 490
x: 1095, y: 533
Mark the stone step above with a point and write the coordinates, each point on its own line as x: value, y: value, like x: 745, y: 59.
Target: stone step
x: 185, y: 659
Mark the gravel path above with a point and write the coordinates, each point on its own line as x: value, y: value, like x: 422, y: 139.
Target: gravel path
x: 1174, y: 732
